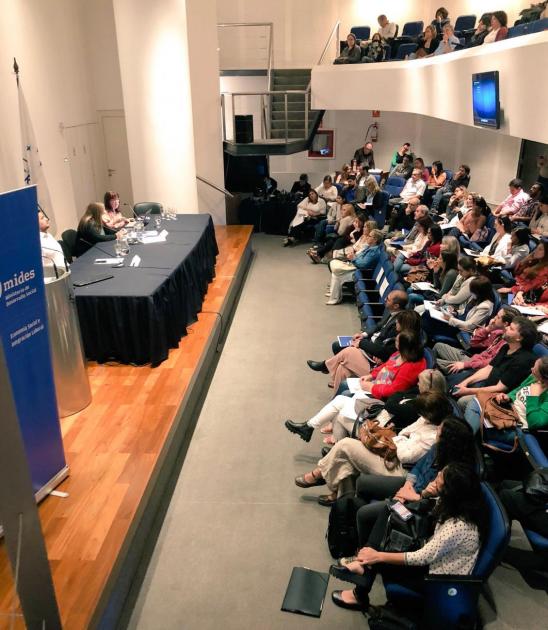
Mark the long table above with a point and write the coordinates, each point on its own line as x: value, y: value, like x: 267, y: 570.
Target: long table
x: 139, y: 314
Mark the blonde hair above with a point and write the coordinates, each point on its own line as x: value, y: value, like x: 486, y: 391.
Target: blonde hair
x: 452, y: 245
x: 371, y: 225
x: 432, y: 381
x: 377, y: 235
x: 372, y: 187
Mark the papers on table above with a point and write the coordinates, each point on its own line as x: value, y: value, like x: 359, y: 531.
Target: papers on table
x: 424, y: 286
x: 159, y: 238
x: 135, y: 261
x: 529, y: 310
x: 344, y: 341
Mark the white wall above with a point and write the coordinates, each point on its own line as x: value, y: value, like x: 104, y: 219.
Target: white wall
x: 473, y: 7
x: 153, y: 51
x: 243, y: 105
x: 493, y: 158
x: 46, y: 39
x: 441, y: 86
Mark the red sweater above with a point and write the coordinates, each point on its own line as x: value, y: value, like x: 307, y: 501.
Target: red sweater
x: 395, y: 378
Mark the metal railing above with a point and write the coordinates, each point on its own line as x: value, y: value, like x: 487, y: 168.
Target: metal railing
x: 334, y: 33
x: 220, y: 189
x: 269, y: 93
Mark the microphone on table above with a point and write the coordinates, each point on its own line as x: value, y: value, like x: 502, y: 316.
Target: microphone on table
x: 131, y: 208
x: 109, y: 254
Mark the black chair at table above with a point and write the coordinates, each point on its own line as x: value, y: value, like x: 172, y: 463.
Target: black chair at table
x: 68, y: 244
x: 147, y: 207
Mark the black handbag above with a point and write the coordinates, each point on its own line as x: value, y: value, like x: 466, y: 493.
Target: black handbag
x: 536, y: 485
x: 412, y: 534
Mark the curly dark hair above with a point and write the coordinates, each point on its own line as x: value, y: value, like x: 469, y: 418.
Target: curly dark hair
x: 455, y: 444
x: 461, y: 497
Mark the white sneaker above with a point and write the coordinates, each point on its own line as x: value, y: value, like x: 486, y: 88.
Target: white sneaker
x: 332, y: 302
x: 328, y: 294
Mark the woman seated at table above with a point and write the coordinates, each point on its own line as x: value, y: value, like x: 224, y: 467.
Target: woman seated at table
x: 112, y: 218
x: 350, y: 456
x: 430, y: 248
x: 91, y: 230
x: 461, y: 523
x: 478, y: 310
x: 309, y: 211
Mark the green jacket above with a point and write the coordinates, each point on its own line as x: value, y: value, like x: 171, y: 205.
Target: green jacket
x: 536, y: 407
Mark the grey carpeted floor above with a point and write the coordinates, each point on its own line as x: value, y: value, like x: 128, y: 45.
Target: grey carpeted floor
x: 237, y: 524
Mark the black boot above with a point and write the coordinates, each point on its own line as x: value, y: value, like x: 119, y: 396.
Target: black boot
x: 317, y: 366
x: 300, y: 428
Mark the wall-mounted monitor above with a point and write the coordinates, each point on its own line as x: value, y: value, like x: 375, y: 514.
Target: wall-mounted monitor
x: 485, y: 99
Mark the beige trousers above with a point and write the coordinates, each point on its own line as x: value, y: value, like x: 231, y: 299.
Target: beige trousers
x: 349, y: 457
x: 348, y: 362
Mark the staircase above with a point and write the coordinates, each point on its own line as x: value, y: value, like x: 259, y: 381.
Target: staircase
x: 298, y: 138
x: 290, y: 80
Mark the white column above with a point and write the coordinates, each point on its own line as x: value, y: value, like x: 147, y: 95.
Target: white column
x: 206, y: 104
x: 153, y: 51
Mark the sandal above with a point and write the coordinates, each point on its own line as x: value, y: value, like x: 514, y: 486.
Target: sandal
x: 303, y: 483
x: 329, y: 440
x: 327, y: 429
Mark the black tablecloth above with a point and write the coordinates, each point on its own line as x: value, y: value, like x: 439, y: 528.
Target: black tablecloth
x: 142, y: 312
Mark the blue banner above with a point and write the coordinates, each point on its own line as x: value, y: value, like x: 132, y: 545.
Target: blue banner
x: 24, y: 330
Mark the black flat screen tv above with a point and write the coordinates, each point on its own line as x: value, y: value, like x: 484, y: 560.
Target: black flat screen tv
x: 485, y: 99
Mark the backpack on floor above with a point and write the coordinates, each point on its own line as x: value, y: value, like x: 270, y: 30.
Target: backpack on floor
x: 342, y: 534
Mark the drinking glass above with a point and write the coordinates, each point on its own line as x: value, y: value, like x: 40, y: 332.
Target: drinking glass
x: 123, y: 246
x: 157, y: 221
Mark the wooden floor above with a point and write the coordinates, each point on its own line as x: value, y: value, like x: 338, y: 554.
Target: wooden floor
x: 111, y: 448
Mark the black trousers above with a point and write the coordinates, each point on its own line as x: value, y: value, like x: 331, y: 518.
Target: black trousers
x: 530, y: 513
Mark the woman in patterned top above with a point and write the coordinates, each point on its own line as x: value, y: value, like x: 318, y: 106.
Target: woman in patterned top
x: 452, y: 549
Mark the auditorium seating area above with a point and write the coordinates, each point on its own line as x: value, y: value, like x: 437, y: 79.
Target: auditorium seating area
x: 468, y: 31
x: 514, y: 286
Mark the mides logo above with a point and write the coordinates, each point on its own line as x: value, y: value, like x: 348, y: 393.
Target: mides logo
x: 17, y: 280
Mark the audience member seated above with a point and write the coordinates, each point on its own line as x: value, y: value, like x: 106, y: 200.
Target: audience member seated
x: 337, y: 239
x: 401, y: 410
x: 349, y: 456
x: 418, y: 162
x: 374, y: 51
x: 369, y: 197
x: 448, y: 41
x: 334, y: 213
x: 397, y: 158
x: 531, y: 206
x: 387, y: 30
x: 445, y: 272
x: 342, y: 271
x: 528, y: 403
x: 365, y: 155
x: 481, y: 32
x: 459, y: 294
x: 356, y: 359
x: 531, y: 276
x: 326, y: 190
x: 341, y: 176
x: 358, y: 239
x: 498, y: 247
x: 477, y: 310
x: 112, y: 218
x: 441, y: 20
x: 459, y: 364
x: 539, y: 221
x: 403, y: 169
x: 471, y: 228
x: 430, y: 250
x: 309, y: 211
x: 402, y: 221
x: 456, y: 204
x: 380, y: 343
x: 452, y: 550
x: 510, y: 366
x: 414, y: 187
x: 52, y: 252
x: 436, y: 181
x: 415, y: 249
x: 349, y: 190
x: 91, y: 230
x: 352, y: 53
x: 363, y: 177
x: 460, y: 178
x: 301, y: 187
x: 454, y: 444
x: 428, y: 42
x: 499, y: 28
x: 515, y: 200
